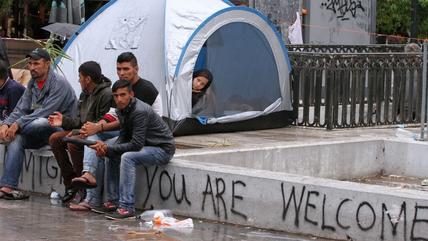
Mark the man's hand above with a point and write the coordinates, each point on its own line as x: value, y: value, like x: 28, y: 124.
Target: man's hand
x: 100, y: 147
x: 11, y: 132
x: 70, y: 134
x: 89, y: 129
x: 55, y: 119
x: 3, y: 129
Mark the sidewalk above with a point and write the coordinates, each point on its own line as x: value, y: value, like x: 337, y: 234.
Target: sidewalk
x: 37, y: 219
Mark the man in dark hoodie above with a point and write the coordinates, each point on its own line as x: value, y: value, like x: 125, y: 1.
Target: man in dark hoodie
x: 95, y: 100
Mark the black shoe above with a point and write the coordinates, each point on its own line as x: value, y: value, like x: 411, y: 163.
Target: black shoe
x: 69, y: 195
x: 105, y: 208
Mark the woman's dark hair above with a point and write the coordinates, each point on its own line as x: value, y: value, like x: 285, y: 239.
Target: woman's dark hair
x: 204, y: 73
x: 93, y: 70
x: 121, y: 84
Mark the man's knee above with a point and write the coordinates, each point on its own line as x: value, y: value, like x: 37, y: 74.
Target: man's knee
x: 55, y: 139
x: 39, y: 122
x: 36, y: 125
x: 74, y: 148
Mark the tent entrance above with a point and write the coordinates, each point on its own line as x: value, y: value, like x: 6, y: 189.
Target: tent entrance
x: 244, y: 69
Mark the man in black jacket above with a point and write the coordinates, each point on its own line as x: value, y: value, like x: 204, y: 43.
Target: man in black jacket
x: 144, y: 139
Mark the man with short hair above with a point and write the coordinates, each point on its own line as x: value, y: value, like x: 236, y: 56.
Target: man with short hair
x: 94, y: 101
x: 145, y: 139
x: 10, y: 92
x: 127, y: 69
x: 27, y: 126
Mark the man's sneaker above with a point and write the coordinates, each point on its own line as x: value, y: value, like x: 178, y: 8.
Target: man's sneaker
x: 121, y: 213
x: 105, y: 208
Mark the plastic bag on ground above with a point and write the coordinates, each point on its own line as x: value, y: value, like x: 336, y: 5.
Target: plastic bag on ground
x: 150, y: 214
x: 175, y: 223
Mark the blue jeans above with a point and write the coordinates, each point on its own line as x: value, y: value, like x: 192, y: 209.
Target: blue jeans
x: 95, y: 165
x: 121, y: 173
x: 33, y: 136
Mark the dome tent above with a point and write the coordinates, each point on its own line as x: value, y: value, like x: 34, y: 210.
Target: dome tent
x: 172, y: 39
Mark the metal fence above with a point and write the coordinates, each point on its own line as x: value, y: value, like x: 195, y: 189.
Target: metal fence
x: 328, y: 48
x: 353, y: 86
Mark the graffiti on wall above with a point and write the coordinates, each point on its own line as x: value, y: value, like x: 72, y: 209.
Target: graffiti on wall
x: 301, y: 206
x: 343, y: 9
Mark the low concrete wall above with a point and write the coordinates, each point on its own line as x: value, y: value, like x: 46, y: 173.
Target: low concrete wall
x: 297, y: 204
x: 254, y: 196
x: 337, y: 160
x: 406, y: 158
x: 40, y: 171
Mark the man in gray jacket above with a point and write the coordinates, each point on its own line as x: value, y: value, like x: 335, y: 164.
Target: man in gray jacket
x: 27, y: 126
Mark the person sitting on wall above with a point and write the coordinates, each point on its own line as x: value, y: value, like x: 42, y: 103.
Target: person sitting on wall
x: 94, y: 101
x: 145, y: 139
x: 27, y: 126
x: 10, y: 92
x: 93, y: 166
x: 3, y: 56
x: 202, y: 80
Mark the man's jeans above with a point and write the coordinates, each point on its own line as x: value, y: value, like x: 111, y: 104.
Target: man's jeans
x: 95, y: 165
x: 33, y: 136
x: 121, y: 173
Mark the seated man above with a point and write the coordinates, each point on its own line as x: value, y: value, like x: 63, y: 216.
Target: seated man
x: 95, y: 101
x: 127, y: 69
x: 27, y: 126
x: 144, y: 139
x: 10, y: 92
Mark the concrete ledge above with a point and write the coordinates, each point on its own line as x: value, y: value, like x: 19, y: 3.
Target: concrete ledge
x: 332, y: 159
x: 297, y: 204
x: 257, y: 187
x: 40, y: 171
x: 406, y: 157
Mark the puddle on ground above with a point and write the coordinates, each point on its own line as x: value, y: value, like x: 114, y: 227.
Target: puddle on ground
x: 146, y: 235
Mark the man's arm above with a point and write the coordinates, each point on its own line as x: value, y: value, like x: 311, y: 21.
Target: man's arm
x: 140, y: 123
x: 21, y: 108
x: 14, y: 96
x: 51, y: 104
x: 108, y: 122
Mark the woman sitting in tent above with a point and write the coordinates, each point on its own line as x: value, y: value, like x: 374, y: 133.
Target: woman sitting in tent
x: 201, y: 99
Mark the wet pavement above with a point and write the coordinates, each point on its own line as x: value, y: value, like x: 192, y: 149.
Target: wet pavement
x: 38, y: 219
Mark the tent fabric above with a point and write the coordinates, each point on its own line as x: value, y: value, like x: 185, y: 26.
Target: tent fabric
x: 121, y: 26
x: 171, y: 38
x: 183, y: 73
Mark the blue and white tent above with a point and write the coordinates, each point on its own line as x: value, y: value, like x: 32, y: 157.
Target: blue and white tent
x: 174, y: 38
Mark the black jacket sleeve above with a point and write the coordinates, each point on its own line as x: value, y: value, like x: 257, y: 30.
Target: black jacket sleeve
x: 139, y: 121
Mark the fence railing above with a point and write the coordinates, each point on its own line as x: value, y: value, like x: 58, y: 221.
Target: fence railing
x: 336, y: 90
x: 327, y: 48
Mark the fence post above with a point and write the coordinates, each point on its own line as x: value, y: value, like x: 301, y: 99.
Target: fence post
x: 424, y: 91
